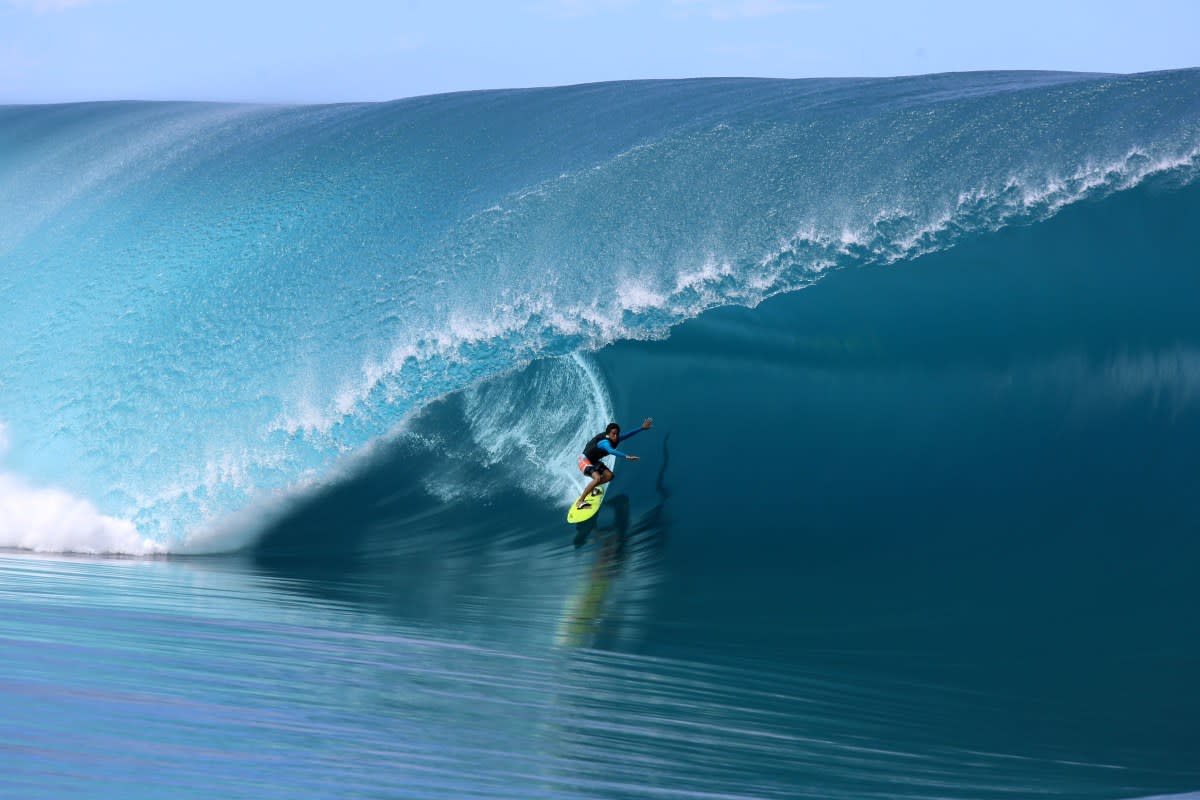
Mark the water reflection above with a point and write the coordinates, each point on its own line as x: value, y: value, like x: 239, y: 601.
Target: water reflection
x: 593, y: 618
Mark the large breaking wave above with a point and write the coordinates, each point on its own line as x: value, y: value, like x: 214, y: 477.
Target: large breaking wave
x: 209, y: 309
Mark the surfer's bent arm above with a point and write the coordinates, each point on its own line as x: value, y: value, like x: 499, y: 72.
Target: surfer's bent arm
x: 607, y: 447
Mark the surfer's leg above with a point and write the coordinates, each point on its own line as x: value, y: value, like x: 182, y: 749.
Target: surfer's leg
x: 592, y: 472
x: 600, y: 474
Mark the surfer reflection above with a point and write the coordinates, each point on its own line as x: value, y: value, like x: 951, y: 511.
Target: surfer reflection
x: 615, y: 539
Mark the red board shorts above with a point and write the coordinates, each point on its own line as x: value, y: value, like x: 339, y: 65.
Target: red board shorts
x: 587, y: 467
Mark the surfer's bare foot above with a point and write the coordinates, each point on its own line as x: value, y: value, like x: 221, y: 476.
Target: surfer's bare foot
x: 582, y: 506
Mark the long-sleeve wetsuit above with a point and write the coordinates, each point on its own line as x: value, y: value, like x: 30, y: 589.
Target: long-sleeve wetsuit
x: 605, y: 445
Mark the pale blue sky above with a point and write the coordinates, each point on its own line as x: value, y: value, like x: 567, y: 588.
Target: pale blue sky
x: 311, y: 51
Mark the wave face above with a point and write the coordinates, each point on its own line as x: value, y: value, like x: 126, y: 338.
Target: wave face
x: 209, y: 306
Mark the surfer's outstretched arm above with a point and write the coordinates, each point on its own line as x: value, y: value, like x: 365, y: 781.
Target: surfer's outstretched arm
x: 647, y: 423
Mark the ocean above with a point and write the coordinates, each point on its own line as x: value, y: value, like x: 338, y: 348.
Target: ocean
x: 291, y: 398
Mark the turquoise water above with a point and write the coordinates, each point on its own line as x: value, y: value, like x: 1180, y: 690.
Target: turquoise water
x: 290, y: 400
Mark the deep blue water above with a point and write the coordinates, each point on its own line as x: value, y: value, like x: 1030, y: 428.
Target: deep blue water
x: 918, y: 515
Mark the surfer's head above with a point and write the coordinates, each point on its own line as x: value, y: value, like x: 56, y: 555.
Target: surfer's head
x: 613, y: 431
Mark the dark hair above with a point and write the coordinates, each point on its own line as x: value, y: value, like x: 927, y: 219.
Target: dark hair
x: 612, y: 425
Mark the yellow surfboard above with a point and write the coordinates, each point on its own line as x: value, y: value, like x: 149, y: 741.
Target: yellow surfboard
x: 582, y: 515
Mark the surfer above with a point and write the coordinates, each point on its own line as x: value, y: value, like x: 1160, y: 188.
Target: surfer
x: 599, y: 446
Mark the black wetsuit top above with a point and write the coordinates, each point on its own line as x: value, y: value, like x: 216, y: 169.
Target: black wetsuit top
x: 598, y: 446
